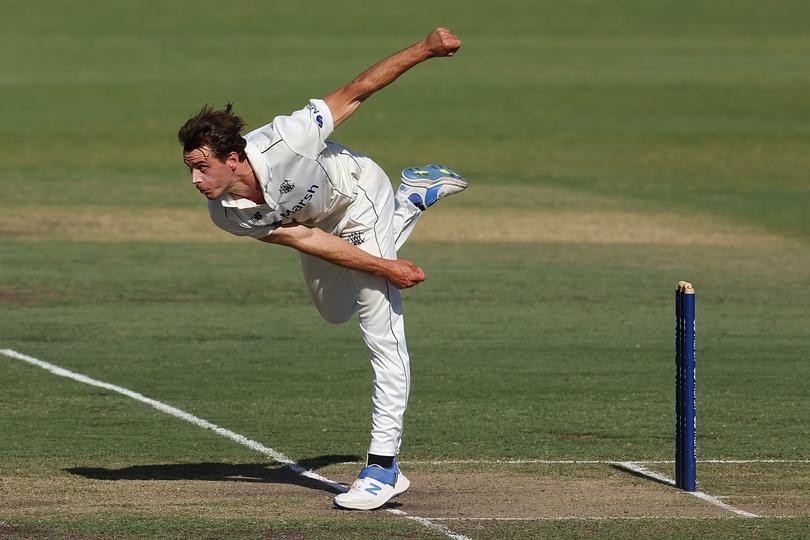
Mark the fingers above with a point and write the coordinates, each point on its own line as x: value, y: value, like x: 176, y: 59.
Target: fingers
x: 442, y: 42
x: 407, y: 274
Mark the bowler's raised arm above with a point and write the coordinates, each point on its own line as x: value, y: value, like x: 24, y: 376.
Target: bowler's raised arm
x: 345, y: 100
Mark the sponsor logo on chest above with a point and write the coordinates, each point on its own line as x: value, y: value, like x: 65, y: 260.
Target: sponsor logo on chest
x: 300, y: 205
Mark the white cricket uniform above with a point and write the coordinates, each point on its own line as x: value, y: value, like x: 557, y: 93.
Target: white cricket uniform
x: 309, y: 180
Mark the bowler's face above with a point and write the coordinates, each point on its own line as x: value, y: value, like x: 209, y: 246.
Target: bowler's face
x: 209, y: 175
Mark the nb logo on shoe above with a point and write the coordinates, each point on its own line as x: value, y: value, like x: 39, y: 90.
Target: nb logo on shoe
x: 374, y: 489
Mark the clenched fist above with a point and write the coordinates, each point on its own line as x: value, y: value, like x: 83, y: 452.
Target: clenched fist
x: 442, y: 42
x: 403, y: 274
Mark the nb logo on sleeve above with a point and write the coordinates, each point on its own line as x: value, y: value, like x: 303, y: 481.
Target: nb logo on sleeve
x: 319, y: 120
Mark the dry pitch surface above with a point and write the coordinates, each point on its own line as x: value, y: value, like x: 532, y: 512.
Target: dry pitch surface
x: 477, y: 499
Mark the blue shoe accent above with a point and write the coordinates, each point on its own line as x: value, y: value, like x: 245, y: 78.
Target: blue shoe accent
x: 423, y: 186
x: 417, y: 201
x: 432, y: 195
x: 387, y: 476
x: 429, y: 172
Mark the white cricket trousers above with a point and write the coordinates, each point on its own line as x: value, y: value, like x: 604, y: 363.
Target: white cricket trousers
x: 378, y: 222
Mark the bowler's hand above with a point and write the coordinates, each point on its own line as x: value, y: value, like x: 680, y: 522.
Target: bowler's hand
x: 442, y: 42
x: 404, y: 274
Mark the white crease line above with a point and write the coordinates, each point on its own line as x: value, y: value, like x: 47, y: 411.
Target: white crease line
x: 635, y: 467
x: 236, y: 437
x: 429, y: 522
x: 730, y: 461
x: 174, y: 411
x: 511, y: 462
x: 586, y: 461
x: 605, y: 518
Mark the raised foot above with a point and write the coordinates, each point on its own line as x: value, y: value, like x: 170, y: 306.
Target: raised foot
x: 423, y: 186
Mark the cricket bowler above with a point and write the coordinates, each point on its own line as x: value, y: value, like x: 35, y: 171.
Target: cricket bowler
x: 285, y: 183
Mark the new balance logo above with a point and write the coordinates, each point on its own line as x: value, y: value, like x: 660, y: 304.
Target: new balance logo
x: 374, y: 489
x: 255, y: 219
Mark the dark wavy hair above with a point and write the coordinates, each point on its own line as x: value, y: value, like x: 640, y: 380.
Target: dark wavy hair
x: 219, y: 130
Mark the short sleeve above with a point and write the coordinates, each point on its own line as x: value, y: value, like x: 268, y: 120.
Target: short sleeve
x: 306, y: 131
x: 256, y: 228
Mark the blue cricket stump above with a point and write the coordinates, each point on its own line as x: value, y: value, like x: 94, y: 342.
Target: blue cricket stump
x: 685, y: 469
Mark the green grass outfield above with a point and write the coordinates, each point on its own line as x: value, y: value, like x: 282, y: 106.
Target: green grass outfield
x: 614, y: 149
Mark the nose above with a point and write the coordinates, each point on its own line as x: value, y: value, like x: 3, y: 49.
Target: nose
x: 195, y: 178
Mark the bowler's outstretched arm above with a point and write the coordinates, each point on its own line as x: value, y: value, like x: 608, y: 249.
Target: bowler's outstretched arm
x: 400, y: 272
x: 345, y: 100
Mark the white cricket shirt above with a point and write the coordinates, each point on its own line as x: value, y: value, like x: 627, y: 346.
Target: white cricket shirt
x: 304, y: 178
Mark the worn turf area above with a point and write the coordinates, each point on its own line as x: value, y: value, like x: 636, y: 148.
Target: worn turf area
x: 613, y: 149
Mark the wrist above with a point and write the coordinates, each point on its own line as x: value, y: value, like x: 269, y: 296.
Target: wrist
x: 423, y: 52
x: 384, y: 268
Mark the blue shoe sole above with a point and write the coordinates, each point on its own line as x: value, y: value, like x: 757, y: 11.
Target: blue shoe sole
x: 430, y: 175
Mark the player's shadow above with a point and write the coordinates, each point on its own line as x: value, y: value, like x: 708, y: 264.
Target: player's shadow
x: 224, y: 472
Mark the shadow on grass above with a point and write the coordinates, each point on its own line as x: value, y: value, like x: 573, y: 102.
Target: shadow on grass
x: 224, y: 472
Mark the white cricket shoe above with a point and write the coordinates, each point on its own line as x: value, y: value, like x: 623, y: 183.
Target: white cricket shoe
x: 423, y: 186
x: 373, y: 488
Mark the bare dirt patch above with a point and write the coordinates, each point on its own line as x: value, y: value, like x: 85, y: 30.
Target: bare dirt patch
x: 576, y: 226
x: 538, y: 214
x: 26, y: 297
x: 533, y: 492
x: 103, y: 224
x: 543, y: 491
x: 35, y: 533
x: 537, y: 491
x: 30, y: 497
x: 773, y: 489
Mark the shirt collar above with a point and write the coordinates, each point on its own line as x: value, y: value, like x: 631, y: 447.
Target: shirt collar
x: 229, y: 201
x: 262, y: 171
x: 261, y: 168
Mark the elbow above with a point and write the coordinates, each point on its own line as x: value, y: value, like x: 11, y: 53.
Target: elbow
x: 292, y: 235
x: 360, y: 89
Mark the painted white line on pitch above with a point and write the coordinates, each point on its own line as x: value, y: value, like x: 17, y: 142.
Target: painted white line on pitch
x: 510, y: 462
x: 731, y: 461
x: 174, y: 411
x: 583, y: 461
x: 205, y: 424
x: 429, y: 522
x: 637, y: 468
x: 606, y: 518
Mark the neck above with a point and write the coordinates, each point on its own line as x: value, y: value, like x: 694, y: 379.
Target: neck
x: 246, y: 183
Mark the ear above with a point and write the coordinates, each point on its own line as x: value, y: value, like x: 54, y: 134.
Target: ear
x: 232, y: 161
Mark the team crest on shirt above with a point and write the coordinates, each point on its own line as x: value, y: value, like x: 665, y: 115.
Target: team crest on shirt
x: 286, y: 187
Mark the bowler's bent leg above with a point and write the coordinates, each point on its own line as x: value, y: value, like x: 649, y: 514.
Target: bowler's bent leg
x: 332, y: 288
x: 406, y: 214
